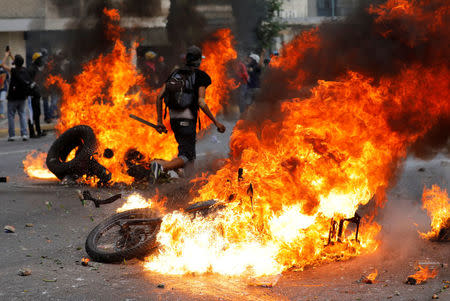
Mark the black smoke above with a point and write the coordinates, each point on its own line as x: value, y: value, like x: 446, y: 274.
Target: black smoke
x: 185, y: 26
x: 377, y: 50
x: 248, y: 15
x: 85, y: 38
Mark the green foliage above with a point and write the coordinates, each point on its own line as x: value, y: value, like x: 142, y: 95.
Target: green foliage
x: 270, y: 26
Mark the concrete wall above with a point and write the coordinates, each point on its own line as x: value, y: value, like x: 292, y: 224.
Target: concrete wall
x: 16, y: 42
x: 294, y: 9
x: 22, y: 8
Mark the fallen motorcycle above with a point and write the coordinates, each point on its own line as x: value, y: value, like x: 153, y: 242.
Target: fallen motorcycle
x: 131, y: 233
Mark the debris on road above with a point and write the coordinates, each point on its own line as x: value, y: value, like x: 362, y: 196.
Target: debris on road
x: 161, y: 285
x: 421, y: 169
x: 86, y: 196
x: 85, y: 261
x: 24, y: 272
x: 435, y: 296
x: 49, y: 280
x: 49, y: 205
x: 430, y: 264
x: 4, y: 179
x: 9, y: 229
x: 265, y: 281
x: 370, y: 279
x: 29, y: 225
x: 421, y: 276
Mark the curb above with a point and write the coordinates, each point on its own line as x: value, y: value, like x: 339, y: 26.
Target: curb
x: 45, y: 127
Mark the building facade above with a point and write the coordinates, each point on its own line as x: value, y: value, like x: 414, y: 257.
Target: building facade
x: 28, y: 25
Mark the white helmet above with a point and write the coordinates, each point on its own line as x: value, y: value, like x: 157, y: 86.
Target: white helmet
x: 255, y: 57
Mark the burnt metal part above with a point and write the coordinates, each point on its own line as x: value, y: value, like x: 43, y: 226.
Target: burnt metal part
x: 337, y: 229
x: 444, y: 233
x: 250, y: 194
x: 411, y: 281
x: 137, y: 167
x: 98, y: 170
x: 88, y: 197
x: 4, y: 179
x: 240, y: 173
x: 108, y: 153
x: 200, y: 206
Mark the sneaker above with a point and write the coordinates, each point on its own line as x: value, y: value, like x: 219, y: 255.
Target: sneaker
x: 10, y: 139
x: 155, y: 171
x: 25, y: 138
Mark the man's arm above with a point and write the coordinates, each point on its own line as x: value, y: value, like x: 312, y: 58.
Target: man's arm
x: 159, y: 108
x: 7, y: 55
x: 201, y: 101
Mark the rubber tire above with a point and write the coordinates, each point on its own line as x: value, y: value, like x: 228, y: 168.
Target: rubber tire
x: 81, y: 136
x: 140, y: 250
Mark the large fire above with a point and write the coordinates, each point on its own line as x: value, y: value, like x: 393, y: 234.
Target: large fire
x: 437, y: 204
x: 324, y: 157
x: 300, y: 173
x: 105, y: 93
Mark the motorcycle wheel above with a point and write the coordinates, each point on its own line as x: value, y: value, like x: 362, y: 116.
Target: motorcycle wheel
x: 112, y: 242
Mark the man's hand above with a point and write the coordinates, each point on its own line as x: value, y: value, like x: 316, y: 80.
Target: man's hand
x: 220, y: 127
x: 161, y: 128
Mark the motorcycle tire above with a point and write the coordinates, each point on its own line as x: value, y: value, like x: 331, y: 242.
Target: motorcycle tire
x: 81, y: 136
x: 139, y: 249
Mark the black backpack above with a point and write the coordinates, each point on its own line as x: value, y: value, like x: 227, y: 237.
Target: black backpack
x: 21, y: 85
x: 180, y: 92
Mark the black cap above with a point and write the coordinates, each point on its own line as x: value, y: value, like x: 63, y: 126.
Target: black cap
x: 18, y: 60
x: 193, y: 56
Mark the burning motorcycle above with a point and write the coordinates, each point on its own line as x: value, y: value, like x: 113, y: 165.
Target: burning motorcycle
x: 131, y: 233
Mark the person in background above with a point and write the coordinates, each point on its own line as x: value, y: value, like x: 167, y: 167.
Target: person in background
x: 4, y: 78
x: 149, y: 69
x: 17, y: 94
x: 45, y: 91
x: 254, y: 73
x: 35, y: 71
x: 240, y: 74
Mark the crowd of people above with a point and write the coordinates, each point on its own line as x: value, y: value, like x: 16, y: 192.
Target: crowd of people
x: 23, y: 91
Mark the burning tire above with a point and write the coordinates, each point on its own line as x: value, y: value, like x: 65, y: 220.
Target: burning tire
x: 81, y: 137
x: 125, y: 235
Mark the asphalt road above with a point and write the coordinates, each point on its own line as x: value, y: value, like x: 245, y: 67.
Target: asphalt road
x: 53, y: 246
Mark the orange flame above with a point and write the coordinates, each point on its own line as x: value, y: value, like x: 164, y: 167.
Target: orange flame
x: 370, y: 279
x: 423, y: 274
x: 135, y: 201
x: 85, y: 261
x: 329, y: 154
x: 105, y: 93
x: 437, y: 204
x: 35, y: 167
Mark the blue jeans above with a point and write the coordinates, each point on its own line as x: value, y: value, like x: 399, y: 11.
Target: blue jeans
x: 2, y: 101
x: 50, y: 106
x: 19, y: 107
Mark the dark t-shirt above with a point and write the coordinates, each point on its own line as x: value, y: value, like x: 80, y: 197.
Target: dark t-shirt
x: 18, y: 87
x: 254, y: 73
x: 201, y: 79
